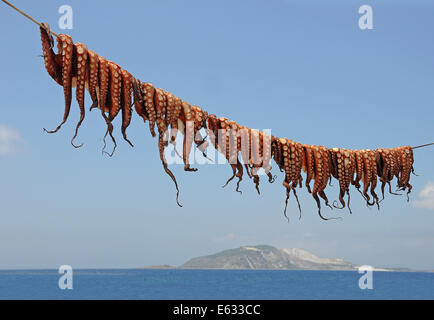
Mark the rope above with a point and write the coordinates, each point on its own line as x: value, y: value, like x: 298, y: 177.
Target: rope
x: 424, y: 145
x: 27, y: 16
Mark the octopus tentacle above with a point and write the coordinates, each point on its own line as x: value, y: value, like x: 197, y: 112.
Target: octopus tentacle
x: 297, y: 151
x: 286, y: 185
x: 407, y: 168
x: 319, y: 176
x: 127, y: 81
x: 229, y: 146
x: 245, y: 148
x: 383, y: 168
x: 213, y: 131
x: 174, y: 105
x: 319, y: 159
x: 105, y: 99
x: 298, y: 203
x: 82, y: 74
x: 340, y: 175
x: 115, y: 90
x: 200, y: 119
x: 149, y: 93
x: 326, y: 161
x: 292, y: 165
x: 93, y: 81
x: 276, y: 150
x: 161, y: 146
x: 265, y: 155
x: 139, y: 99
x: 255, y: 159
x: 374, y: 178
x: 388, y: 167
x: 219, y: 137
x: 249, y: 165
x: 235, y: 148
x: 174, y: 122
x: 351, y: 178
x: 266, y: 138
x: 114, y: 100
x: 231, y: 152
x: 349, y: 165
x: 398, y: 167
x: 53, y: 68
x: 171, y: 106
x: 239, y: 176
x: 310, y: 166
x: 66, y: 53
x: 367, y: 176
x: 359, y: 170
x: 160, y: 102
x: 238, y: 145
x: 188, y: 135
x: 234, y: 173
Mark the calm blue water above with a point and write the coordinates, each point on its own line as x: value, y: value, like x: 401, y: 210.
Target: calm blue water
x: 214, y: 284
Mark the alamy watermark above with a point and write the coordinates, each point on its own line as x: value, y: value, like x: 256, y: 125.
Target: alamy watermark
x: 65, y: 20
x: 65, y: 281
x: 366, y: 21
x: 220, y: 146
x: 366, y: 281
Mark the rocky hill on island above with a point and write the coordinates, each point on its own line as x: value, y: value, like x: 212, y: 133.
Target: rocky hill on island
x: 266, y: 257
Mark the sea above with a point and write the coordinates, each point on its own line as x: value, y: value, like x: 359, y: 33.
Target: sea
x: 176, y: 284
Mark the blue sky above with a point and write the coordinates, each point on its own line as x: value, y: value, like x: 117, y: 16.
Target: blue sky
x: 301, y: 68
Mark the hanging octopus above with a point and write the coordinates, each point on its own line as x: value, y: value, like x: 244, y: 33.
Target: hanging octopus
x: 407, y: 160
x: 260, y: 155
x: 367, y: 172
x: 292, y: 164
x: 64, y: 58
x: 105, y: 99
x: 318, y: 167
x: 114, y: 90
x: 388, y: 162
x: 256, y: 149
x: 344, y: 166
x: 359, y: 170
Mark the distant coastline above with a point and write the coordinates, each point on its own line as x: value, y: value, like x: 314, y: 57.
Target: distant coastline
x: 355, y: 269
x: 167, y: 267
x: 160, y: 267
x: 265, y: 257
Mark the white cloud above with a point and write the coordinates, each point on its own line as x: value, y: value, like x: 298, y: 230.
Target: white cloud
x: 426, y: 197
x: 8, y: 140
